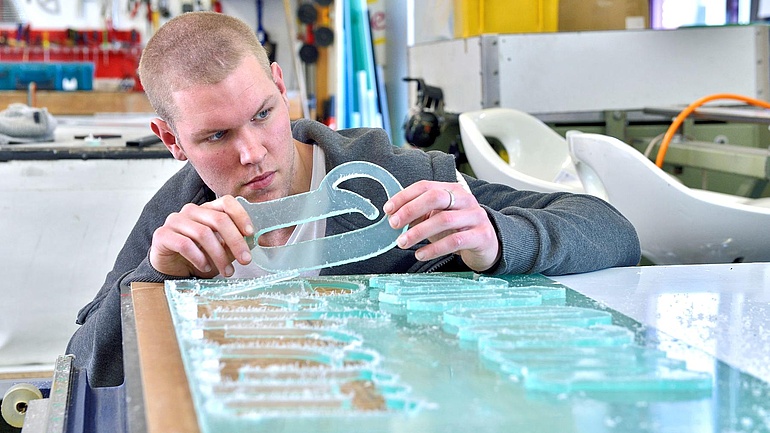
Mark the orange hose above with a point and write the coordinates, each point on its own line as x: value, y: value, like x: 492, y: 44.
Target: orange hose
x: 690, y: 108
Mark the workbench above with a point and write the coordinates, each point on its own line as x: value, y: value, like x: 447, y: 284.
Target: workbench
x: 712, y: 317
x: 67, y: 208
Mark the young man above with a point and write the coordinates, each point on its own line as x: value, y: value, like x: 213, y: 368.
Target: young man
x: 223, y: 108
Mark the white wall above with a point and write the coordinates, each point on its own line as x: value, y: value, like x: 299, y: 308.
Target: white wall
x: 63, y: 223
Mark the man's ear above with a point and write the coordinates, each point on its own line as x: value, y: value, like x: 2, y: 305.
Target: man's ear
x: 278, y: 80
x: 166, y: 135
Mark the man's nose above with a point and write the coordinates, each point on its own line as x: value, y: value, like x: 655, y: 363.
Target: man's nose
x: 251, y: 149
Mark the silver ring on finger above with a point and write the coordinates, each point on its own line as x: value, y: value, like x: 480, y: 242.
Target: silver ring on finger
x: 451, y: 199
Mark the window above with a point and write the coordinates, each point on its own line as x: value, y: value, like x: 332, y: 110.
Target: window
x: 671, y: 14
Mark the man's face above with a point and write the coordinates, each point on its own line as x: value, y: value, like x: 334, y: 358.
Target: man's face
x: 237, y: 134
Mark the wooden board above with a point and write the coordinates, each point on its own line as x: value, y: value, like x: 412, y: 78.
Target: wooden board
x: 167, y: 398
x: 82, y: 103
x: 90, y: 103
x: 21, y: 375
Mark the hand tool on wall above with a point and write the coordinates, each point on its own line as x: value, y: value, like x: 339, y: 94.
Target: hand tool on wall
x: 324, y: 35
x: 262, y: 35
x: 307, y: 13
x: 164, y: 10
x: 308, y: 53
x: 133, y: 7
x: 291, y: 22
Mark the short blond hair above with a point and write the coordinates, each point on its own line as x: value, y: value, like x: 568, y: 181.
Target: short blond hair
x: 195, y: 48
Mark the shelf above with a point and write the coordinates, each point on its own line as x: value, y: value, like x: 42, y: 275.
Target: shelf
x: 82, y: 103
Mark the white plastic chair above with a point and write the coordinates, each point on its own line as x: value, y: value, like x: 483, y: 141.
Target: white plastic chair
x: 676, y: 224
x: 538, y: 157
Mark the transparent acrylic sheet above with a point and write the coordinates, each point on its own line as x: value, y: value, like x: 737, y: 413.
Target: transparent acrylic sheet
x: 459, y: 295
x: 269, y: 351
x: 533, y: 358
x: 439, y: 304
x: 326, y: 201
x: 281, y: 368
x: 423, y: 297
x: 473, y: 333
x: 471, y: 320
x: 655, y: 378
x: 553, y: 336
x: 524, y: 361
x: 268, y: 334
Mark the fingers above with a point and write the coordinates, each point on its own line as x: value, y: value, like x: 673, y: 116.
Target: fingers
x: 237, y: 213
x: 477, y: 245
x: 203, y: 240
x: 417, y: 201
x: 449, y: 231
x: 233, y: 230
x: 450, y: 218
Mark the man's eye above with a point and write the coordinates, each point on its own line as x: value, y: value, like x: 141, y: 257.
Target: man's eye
x: 217, y: 136
x: 262, y: 115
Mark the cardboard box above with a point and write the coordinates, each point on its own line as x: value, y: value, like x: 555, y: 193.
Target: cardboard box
x: 587, y: 15
x: 475, y: 17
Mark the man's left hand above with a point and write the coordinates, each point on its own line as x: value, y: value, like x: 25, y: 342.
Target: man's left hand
x: 450, y: 218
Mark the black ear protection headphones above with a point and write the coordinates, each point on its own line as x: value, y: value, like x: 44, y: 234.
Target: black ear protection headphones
x: 423, y: 125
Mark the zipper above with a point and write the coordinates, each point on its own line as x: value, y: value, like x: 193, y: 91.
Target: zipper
x: 435, y: 267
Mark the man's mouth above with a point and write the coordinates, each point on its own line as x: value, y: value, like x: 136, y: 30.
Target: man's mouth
x: 260, y: 182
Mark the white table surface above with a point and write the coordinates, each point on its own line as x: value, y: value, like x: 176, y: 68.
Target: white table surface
x: 723, y: 310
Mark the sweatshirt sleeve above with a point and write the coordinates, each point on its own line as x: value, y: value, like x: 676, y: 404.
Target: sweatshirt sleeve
x: 98, y: 343
x: 556, y: 233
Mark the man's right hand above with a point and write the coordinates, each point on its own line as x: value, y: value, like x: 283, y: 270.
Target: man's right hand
x: 203, y: 241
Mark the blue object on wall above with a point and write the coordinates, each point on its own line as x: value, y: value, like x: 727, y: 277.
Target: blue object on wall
x: 68, y: 76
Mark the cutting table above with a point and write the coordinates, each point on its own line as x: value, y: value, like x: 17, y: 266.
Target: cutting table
x: 710, y: 320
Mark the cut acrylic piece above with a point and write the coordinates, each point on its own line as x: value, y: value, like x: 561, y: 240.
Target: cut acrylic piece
x: 233, y: 358
x: 241, y: 405
x: 527, y: 297
x: 281, y: 335
x: 317, y: 332
x: 524, y: 280
x: 532, y: 357
x: 549, y: 293
x: 380, y: 281
x: 398, y: 289
x: 307, y: 405
x: 522, y: 361
x: 473, y: 333
x: 326, y: 201
x: 243, y: 287
x: 282, y: 302
x: 638, y: 365
x: 439, y: 304
x: 496, y: 318
x: 660, y: 379
x: 405, y: 283
x: 328, y: 287
x: 310, y: 375
x: 322, y: 384
x: 548, y: 289
x: 551, y: 336
x: 291, y: 317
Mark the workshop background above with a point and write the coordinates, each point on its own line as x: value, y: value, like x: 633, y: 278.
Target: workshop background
x: 69, y: 199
